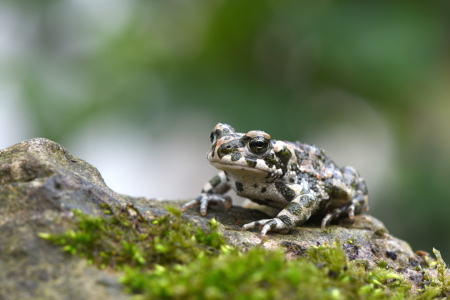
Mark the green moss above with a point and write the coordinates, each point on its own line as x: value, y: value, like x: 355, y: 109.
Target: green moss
x: 170, y: 258
x: 263, y: 274
x: 126, y: 238
x: 443, y: 279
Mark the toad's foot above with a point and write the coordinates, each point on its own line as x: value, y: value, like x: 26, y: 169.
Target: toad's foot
x: 206, y: 199
x: 274, y: 224
x: 349, y: 209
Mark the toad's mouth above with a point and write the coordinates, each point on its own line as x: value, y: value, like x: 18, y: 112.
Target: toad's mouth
x: 231, y: 166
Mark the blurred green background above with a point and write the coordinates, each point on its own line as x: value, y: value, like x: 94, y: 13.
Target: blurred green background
x: 134, y: 87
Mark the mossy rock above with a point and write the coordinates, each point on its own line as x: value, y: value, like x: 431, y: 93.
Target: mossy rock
x: 42, y: 185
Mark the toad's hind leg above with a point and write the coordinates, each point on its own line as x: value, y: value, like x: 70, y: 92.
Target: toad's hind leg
x: 359, y: 200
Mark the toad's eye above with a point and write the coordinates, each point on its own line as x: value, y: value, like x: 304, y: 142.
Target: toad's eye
x: 258, y: 145
x: 211, y: 137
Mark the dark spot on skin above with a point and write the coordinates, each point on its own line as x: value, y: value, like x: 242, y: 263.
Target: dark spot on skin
x: 273, y: 224
x: 294, y: 208
x: 213, y: 149
x: 235, y: 156
x: 306, y: 201
x: 239, y: 186
x: 287, y: 221
x: 301, y: 155
x: 271, y: 161
x: 218, y: 133
x: 292, y: 180
x: 286, y: 191
x: 251, y: 162
x: 245, y: 139
x: 338, y: 192
x: 228, y: 148
x: 215, y: 135
x: 391, y: 254
x: 263, y: 190
x: 255, y: 185
x: 215, y: 181
x: 284, y: 155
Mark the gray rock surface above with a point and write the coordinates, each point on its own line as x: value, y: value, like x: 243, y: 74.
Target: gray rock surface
x: 41, y: 182
x: 366, y: 239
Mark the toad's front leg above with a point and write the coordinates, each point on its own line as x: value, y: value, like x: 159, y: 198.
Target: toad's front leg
x: 212, y: 193
x: 296, y: 213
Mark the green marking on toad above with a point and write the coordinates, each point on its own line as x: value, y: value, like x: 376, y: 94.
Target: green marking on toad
x: 297, y: 178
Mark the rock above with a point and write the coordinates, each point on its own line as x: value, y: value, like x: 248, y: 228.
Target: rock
x: 41, y: 182
x: 366, y: 238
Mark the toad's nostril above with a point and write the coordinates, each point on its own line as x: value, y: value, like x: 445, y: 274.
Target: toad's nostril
x: 224, y: 150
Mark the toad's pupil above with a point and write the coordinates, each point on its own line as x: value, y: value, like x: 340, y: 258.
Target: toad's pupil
x: 258, y: 144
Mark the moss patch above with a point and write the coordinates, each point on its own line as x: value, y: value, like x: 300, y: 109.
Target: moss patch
x: 170, y: 258
x: 443, y: 281
x: 126, y: 238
